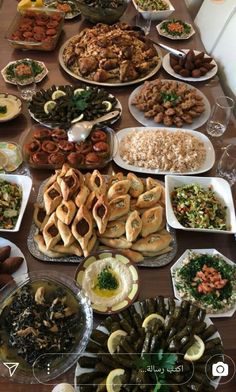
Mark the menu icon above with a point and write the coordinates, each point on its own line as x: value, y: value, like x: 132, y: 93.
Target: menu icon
x: 11, y: 366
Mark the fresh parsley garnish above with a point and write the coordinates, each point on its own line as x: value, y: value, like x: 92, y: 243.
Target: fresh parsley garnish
x: 169, y: 97
x: 106, y: 280
x: 82, y: 100
x: 3, y: 109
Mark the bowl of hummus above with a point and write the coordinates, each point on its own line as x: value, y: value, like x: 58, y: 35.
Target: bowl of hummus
x: 110, y: 281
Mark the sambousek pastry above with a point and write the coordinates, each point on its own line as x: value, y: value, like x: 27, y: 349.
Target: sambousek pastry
x: 38, y: 238
x: 91, y: 200
x: 82, y: 195
x: 101, y: 213
x: 133, y: 226
x: 69, y: 184
x: 114, y: 229
x: 118, y: 188
x: 82, y: 226
x: 65, y: 233
x: 40, y: 217
x: 52, y: 197
x: 151, y: 183
x: 121, y: 242
x: 136, y: 185
x: 66, y: 211
x: 150, y: 198
x: 119, y: 206
x: 73, y: 249
x: 97, y: 183
x: 51, y: 233
x: 153, y: 242
x: 152, y: 220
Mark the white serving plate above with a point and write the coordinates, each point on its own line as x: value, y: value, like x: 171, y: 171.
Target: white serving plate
x: 38, y: 78
x: 25, y: 183
x: 167, y: 67
x: 222, y: 190
x: 175, y: 38
x: 13, y: 104
x: 179, y: 263
x: 207, y: 165
x: 139, y: 116
x: 155, y: 15
x: 15, y: 252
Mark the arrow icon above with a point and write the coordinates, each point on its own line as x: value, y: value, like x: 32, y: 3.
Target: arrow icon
x: 11, y: 366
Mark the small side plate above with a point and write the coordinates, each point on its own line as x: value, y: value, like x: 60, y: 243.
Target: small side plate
x: 175, y: 38
x: 38, y: 78
x: 15, y: 252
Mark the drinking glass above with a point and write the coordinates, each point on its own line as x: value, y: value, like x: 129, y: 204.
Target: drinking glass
x: 24, y: 77
x: 220, y: 116
x: 227, y: 165
x: 144, y: 24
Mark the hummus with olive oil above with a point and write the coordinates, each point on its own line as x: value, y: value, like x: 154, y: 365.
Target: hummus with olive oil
x: 121, y: 282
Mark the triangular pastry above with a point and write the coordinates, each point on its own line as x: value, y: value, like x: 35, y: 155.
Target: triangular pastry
x: 151, y: 220
x: 133, y: 226
x: 66, y: 211
x: 101, y: 213
x: 82, y: 226
x: 51, y: 233
x: 52, y: 198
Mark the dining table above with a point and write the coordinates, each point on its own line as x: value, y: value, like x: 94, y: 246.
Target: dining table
x: 153, y: 281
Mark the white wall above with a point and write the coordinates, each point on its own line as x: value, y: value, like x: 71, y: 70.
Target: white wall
x: 193, y: 6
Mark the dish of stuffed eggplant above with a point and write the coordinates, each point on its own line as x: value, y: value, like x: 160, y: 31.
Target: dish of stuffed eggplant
x: 156, y: 333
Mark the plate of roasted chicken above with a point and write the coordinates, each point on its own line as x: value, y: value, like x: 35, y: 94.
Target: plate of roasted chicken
x: 114, y: 55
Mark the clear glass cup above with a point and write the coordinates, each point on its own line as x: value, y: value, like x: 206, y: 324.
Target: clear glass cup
x: 24, y: 77
x: 227, y: 165
x: 220, y: 116
x: 144, y: 24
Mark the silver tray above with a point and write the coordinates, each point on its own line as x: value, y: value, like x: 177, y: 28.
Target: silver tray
x: 150, y: 262
x: 112, y: 84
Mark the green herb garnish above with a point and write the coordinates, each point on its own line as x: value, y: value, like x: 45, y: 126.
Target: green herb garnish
x: 106, y: 280
x: 169, y: 97
x: 82, y: 100
x: 3, y: 109
x: 36, y: 68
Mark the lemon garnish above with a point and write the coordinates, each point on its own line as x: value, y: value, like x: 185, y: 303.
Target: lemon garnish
x: 77, y: 119
x: 57, y: 94
x: 148, y: 319
x: 114, y: 340
x: 108, y: 105
x: 78, y: 91
x: 114, y: 380
x: 48, y: 106
x: 196, y: 351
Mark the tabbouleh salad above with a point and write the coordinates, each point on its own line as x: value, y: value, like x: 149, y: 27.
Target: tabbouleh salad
x: 197, y: 207
x: 208, y: 280
x: 10, y: 204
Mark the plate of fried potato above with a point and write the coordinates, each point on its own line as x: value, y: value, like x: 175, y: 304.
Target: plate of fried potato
x: 75, y: 214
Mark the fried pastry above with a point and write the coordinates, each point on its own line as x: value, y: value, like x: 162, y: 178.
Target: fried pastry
x: 136, y: 185
x: 65, y: 233
x: 133, y: 226
x: 86, y: 179
x: 52, y: 198
x: 134, y: 256
x: 118, y: 188
x: 38, y: 238
x: 69, y: 184
x: 91, y: 200
x: 115, y: 178
x: 153, y: 242
x: 82, y: 226
x: 50, y: 181
x: 73, y: 249
x: 97, y: 183
x: 116, y: 242
x: 151, y: 220
x: 114, y: 229
x: 51, y: 233
x: 90, y: 245
x: 160, y: 252
x: 40, y: 218
x: 151, y: 183
x: 66, y: 211
x: 101, y: 213
x: 119, y: 207
x: 149, y: 198
x: 81, y: 196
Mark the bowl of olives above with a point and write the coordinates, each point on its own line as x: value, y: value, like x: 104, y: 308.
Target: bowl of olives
x: 102, y: 11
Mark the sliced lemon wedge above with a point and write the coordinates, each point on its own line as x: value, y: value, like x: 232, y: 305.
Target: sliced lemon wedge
x: 108, y: 105
x: 114, y: 380
x: 79, y: 91
x: 150, y: 318
x: 57, y: 94
x: 114, y: 340
x: 196, y: 351
x: 23, y: 4
x: 77, y: 119
x: 49, y: 106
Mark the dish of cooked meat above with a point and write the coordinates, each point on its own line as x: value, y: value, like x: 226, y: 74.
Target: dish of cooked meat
x: 110, y: 55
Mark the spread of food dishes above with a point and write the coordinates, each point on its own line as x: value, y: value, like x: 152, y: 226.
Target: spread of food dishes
x: 110, y: 281
x: 39, y: 69
x: 175, y: 29
x: 109, y: 223
x: 62, y: 105
x: 118, y: 56
x: 168, y: 103
x: 208, y: 279
x: 195, y: 66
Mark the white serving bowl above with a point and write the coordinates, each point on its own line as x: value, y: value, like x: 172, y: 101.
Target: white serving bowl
x: 25, y: 183
x: 222, y: 190
x: 155, y: 15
